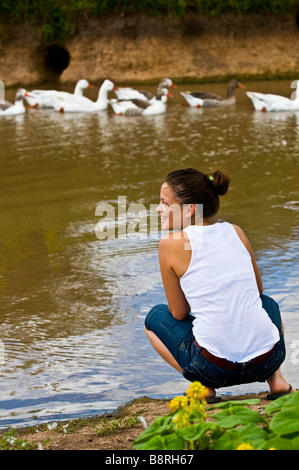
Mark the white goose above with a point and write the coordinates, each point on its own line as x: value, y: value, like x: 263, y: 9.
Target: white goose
x: 270, y: 102
x: 42, y: 98
x: 192, y: 101
x: 81, y: 104
x: 131, y: 94
x: 10, y: 109
x: 123, y: 105
x: 131, y: 108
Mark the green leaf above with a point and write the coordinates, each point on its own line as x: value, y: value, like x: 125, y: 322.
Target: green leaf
x: 230, y: 404
x: 276, y: 405
x: 173, y: 442
x: 237, y: 415
x: 161, y: 425
x: 169, y: 442
x: 286, y: 421
x: 281, y: 443
x: 249, y: 434
x: 195, y: 431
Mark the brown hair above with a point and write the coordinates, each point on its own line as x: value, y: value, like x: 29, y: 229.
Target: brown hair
x: 191, y: 186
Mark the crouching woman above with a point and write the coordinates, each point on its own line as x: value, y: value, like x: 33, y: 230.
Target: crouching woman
x: 218, y: 327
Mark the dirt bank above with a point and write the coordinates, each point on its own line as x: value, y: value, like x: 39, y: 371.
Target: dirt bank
x: 112, y: 433
x: 139, y: 49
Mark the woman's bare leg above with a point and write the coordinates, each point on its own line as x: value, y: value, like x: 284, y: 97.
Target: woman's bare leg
x: 167, y: 356
x: 277, y: 383
x: 162, y: 350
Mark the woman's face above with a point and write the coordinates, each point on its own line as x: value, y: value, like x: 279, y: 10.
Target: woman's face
x: 170, y: 210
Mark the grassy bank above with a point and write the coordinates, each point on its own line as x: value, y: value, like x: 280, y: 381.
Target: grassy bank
x: 57, y: 19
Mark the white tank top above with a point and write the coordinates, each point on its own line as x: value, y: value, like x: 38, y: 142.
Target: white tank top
x: 222, y: 292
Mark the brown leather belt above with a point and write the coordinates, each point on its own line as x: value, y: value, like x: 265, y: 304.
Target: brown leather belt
x: 225, y: 364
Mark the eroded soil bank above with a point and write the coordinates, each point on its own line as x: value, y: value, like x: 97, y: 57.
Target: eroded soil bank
x: 139, y: 49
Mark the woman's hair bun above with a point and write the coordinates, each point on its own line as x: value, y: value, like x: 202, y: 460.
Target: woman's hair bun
x: 220, y: 179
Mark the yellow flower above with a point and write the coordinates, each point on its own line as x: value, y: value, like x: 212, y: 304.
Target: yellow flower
x: 245, y: 446
x: 175, y: 403
x: 185, y: 403
x: 178, y: 403
x: 197, y: 391
x: 189, y: 407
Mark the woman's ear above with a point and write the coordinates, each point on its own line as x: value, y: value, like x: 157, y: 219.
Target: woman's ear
x: 189, y: 210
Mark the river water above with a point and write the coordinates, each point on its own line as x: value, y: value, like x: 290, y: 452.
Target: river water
x: 72, y: 304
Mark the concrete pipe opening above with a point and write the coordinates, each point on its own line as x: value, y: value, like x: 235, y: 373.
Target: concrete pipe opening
x: 57, y: 59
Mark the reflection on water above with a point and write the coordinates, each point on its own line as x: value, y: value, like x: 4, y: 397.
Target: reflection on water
x: 73, y: 306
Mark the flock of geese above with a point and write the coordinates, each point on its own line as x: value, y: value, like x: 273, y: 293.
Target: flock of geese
x: 133, y: 102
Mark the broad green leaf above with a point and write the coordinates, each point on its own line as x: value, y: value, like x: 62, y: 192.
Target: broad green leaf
x: 237, y: 415
x: 276, y: 405
x: 152, y: 443
x: 229, y: 404
x: 249, y: 434
x: 195, y: 431
x: 173, y: 442
x: 281, y: 443
x: 170, y: 442
x: 286, y: 421
x: 161, y: 425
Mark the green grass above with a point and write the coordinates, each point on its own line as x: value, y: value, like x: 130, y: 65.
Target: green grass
x: 115, y: 425
x: 8, y: 441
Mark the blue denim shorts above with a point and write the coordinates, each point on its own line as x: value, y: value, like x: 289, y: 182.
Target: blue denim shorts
x: 177, y: 336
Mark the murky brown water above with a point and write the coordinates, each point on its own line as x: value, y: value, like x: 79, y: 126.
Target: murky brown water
x: 73, y: 306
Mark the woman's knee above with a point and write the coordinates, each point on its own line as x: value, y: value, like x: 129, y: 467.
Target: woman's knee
x: 273, y: 311
x: 153, y: 315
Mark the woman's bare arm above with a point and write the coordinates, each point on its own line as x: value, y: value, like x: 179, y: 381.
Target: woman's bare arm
x: 169, y: 249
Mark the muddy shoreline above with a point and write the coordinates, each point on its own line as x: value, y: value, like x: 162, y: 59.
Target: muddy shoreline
x: 116, y: 431
x: 142, y: 50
